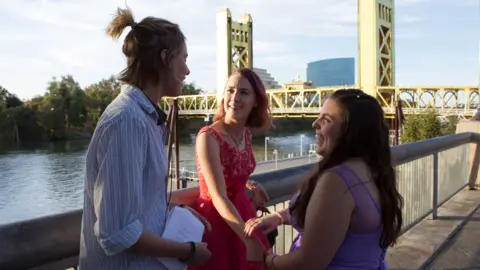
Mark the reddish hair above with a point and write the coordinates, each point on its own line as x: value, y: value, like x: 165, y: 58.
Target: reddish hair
x: 259, y: 116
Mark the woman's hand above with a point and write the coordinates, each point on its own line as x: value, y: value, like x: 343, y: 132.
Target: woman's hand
x: 266, y: 224
x: 259, y: 195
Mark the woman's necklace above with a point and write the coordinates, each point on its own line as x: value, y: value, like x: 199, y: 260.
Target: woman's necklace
x: 237, y: 142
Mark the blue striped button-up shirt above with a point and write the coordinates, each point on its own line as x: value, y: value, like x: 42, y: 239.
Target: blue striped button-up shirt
x: 125, y: 191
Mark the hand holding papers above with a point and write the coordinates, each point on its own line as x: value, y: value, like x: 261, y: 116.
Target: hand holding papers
x: 181, y: 226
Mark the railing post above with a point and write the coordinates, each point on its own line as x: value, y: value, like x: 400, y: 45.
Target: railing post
x: 311, y: 154
x: 182, y: 177
x: 266, y: 140
x: 435, y: 186
x: 275, y: 153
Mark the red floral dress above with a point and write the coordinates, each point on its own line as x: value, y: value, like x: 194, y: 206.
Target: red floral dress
x: 228, y: 250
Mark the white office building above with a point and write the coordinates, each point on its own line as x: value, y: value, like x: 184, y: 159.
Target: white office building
x: 266, y: 78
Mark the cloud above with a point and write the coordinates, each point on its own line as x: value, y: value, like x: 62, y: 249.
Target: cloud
x: 68, y: 36
x: 457, y: 3
x: 462, y: 3
x: 406, y: 36
x: 409, y: 19
x: 411, y: 2
x: 44, y: 38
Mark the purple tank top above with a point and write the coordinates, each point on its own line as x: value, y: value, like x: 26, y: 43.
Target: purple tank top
x: 358, y: 250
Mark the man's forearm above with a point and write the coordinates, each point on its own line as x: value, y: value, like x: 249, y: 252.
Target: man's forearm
x: 154, y: 246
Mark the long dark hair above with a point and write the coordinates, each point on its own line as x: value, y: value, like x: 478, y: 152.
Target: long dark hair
x: 364, y: 135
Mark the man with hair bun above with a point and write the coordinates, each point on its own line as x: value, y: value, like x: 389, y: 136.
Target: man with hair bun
x: 125, y: 203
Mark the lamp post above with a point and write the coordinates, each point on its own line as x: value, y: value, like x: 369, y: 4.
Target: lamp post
x: 301, y: 144
x: 266, y: 156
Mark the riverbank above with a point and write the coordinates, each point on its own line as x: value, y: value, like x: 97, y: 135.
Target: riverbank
x: 187, y: 129
x: 70, y: 134
x: 281, y: 126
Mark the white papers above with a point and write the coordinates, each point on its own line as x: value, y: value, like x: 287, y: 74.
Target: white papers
x: 182, y: 226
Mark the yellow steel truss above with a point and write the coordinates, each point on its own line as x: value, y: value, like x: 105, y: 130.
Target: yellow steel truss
x: 461, y: 101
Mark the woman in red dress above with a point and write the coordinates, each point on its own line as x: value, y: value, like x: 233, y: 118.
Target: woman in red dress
x: 225, y: 161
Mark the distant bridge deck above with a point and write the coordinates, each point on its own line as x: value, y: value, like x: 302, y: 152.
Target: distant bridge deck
x: 460, y: 101
x: 313, y: 112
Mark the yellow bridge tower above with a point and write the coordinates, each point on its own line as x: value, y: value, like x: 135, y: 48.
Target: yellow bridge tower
x: 234, y: 45
x: 376, y: 52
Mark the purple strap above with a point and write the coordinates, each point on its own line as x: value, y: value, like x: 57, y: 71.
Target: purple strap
x: 363, y: 185
x: 338, y: 171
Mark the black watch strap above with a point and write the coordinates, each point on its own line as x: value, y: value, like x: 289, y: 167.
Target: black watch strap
x: 193, y: 248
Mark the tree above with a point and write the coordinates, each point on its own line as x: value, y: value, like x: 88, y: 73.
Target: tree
x: 17, y: 122
x: 23, y: 123
x: 102, y: 93
x: 65, y: 109
x: 9, y: 100
x: 99, y: 95
x: 450, y: 126
x: 419, y: 127
x: 77, y: 109
x: 191, y: 89
x: 64, y: 106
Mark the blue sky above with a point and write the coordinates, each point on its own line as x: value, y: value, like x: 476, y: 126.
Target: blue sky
x: 437, y: 41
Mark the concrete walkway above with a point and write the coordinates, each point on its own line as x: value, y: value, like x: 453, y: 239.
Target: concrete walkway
x: 462, y: 250
x: 419, y: 245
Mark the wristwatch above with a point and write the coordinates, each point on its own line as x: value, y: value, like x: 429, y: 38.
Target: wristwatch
x: 193, y: 248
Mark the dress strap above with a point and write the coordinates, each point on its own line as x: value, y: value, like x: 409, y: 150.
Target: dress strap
x: 248, y: 137
x: 212, y: 131
x: 364, y: 186
x: 338, y: 170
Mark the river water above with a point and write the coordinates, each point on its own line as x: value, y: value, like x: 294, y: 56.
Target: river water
x: 48, y: 179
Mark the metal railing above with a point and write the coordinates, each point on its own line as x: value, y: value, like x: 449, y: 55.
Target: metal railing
x: 189, y: 175
x: 188, y: 172
x: 429, y: 173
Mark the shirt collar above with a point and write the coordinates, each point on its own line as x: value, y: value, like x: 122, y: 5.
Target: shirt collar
x: 145, y: 103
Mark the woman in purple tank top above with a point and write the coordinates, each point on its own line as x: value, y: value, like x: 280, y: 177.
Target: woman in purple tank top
x: 348, y: 210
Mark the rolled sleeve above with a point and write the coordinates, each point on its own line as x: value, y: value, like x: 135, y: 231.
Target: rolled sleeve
x: 118, y: 189
x: 121, y: 239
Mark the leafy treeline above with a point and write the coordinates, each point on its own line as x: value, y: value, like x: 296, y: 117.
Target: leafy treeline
x: 64, y: 111
x: 419, y: 127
